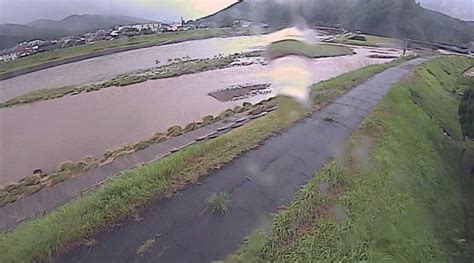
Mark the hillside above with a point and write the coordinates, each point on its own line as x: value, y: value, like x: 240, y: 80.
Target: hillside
x: 84, y: 23
x: 11, y: 34
x: 400, y: 18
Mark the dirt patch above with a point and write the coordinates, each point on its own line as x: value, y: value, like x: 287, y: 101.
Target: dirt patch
x: 241, y: 92
x: 469, y: 72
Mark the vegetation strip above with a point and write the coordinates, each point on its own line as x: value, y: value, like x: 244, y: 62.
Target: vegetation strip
x: 363, y: 40
x: 294, y: 47
x: 42, y: 238
x: 177, y: 68
x: 393, y: 194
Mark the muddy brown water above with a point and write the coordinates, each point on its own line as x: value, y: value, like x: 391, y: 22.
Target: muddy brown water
x: 45, y: 134
x: 106, y: 67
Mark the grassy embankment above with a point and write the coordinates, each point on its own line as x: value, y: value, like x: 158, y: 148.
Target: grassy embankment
x: 466, y: 110
x: 371, y: 41
x: 99, y: 46
x: 44, y: 236
x: 295, y: 47
x: 394, y: 195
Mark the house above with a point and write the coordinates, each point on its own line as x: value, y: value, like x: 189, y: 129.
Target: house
x: 204, y: 25
x: 190, y: 24
x: 242, y: 23
x: 48, y: 46
x: 8, y: 54
x: 35, y: 42
x: 169, y: 28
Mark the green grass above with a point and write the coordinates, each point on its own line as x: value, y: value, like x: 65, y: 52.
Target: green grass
x: 219, y: 203
x: 86, y: 49
x: 42, y: 237
x: 372, y: 41
x: 177, y: 68
x: 438, y: 86
x: 400, y: 201
x: 467, y: 184
x: 295, y: 47
x: 465, y: 86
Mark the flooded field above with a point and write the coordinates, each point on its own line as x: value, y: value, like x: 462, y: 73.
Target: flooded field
x: 44, y: 134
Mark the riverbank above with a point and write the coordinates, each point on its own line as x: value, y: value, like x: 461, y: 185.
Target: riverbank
x: 120, y: 198
x: 59, y: 57
x: 394, y: 192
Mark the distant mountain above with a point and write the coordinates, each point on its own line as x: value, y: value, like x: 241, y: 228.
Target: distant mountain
x: 77, y: 24
x: 11, y: 34
x: 394, y: 18
x: 462, y: 9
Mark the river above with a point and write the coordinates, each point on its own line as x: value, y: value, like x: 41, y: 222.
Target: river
x: 47, y: 133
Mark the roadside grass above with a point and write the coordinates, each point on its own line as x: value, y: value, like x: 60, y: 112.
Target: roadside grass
x: 177, y: 68
x: 467, y: 183
x: 371, y: 40
x: 295, y: 47
x: 219, y: 203
x: 466, y: 109
x: 43, y: 237
x: 400, y: 201
x: 437, y: 85
x: 86, y: 49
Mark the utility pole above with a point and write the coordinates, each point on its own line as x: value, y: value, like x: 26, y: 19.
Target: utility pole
x: 405, y: 46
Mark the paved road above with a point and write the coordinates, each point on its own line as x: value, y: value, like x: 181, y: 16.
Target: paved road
x: 259, y: 182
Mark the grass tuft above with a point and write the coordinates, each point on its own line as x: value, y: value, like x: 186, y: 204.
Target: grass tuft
x: 145, y: 247
x: 219, y: 203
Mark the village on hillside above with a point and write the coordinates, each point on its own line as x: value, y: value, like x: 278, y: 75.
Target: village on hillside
x: 28, y: 48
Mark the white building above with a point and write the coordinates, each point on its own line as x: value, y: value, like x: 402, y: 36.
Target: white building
x: 8, y: 54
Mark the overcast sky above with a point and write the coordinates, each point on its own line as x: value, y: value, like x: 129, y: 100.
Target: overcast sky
x: 24, y: 11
